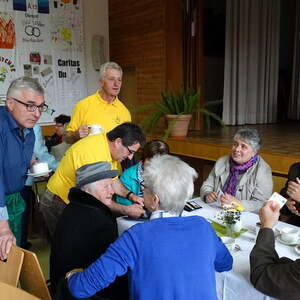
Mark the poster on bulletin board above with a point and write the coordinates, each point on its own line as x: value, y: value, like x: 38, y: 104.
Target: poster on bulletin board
x: 43, y: 39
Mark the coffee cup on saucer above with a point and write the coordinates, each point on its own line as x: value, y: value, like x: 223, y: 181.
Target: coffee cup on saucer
x: 40, y: 168
x: 95, y: 129
x: 289, y: 235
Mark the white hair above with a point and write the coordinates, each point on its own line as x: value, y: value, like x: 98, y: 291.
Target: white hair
x: 109, y: 65
x: 24, y: 83
x: 90, y: 187
x: 171, y: 179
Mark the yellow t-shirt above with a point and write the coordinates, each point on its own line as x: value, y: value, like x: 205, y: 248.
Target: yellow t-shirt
x: 94, y: 110
x: 91, y: 149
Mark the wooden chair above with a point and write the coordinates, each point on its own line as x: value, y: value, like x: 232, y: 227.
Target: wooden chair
x: 31, y: 278
x: 10, y: 270
x: 9, y: 292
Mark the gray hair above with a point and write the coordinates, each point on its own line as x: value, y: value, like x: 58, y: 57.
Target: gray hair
x: 109, y: 65
x: 24, y: 83
x: 89, y: 187
x: 250, y: 136
x: 171, y: 180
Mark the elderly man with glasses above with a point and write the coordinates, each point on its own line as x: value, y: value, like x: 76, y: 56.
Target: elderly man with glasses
x: 113, y: 147
x: 24, y: 105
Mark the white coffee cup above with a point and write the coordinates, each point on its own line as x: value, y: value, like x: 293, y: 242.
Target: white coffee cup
x: 40, y: 167
x: 95, y: 129
x: 289, y: 235
x: 228, y: 242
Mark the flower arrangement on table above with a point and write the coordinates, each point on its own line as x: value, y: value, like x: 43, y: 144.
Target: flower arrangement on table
x: 229, y: 216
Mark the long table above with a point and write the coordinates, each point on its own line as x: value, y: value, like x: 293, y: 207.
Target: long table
x: 234, y: 284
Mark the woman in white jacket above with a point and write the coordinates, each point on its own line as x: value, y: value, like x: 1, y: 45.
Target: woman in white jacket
x: 242, y: 177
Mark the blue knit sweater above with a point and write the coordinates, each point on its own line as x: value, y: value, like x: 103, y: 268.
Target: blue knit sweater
x: 167, y: 258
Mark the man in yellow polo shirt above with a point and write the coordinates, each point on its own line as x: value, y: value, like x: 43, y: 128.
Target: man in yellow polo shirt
x: 115, y: 146
x: 102, y: 108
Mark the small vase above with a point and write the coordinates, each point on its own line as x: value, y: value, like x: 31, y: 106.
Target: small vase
x: 230, y: 230
x: 237, y: 226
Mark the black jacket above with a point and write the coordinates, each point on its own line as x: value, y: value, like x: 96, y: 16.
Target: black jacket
x: 273, y: 276
x: 294, y: 172
x: 84, y: 231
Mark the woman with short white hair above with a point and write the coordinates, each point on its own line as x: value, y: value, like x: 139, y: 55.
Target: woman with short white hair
x: 242, y: 178
x: 168, y: 257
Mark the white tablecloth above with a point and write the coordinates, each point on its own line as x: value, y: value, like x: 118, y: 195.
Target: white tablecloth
x: 234, y: 284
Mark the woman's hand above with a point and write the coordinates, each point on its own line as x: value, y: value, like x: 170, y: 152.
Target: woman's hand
x: 211, y: 197
x: 291, y: 205
x: 227, y: 199
x: 293, y: 189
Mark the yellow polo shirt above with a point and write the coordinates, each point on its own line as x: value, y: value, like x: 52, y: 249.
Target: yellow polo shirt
x: 94, y: 110
x: 91, y: 149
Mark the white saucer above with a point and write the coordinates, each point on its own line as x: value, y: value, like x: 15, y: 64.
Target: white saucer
x: 297, y: 249
x: 39, y: 174
x: 286, y: 243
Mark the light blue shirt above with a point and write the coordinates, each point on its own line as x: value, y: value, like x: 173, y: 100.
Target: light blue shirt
x: 40, y: 151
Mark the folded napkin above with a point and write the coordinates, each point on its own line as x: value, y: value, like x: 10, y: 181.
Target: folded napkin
x: 221, y: 230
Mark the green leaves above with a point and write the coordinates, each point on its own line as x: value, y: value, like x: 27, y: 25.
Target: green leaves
x: 183, y: 102
x: 186, y: 101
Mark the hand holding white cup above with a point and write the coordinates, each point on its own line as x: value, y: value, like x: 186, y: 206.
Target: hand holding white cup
x: 95, y: 129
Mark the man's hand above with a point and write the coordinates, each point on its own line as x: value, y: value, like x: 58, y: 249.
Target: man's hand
x: 83, y: 131
x: 136, y: 199
x: 33, y: 161
x: 269, y: 214
x: 291, y: 205
x: 211, y: 197
x: 293, y: 190
x: 7, y: 239
x: 134, y: 210
x: 72, y: 137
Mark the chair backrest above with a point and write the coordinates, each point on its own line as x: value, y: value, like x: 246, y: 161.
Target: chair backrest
x: 10, y: 270
x: 31, y: 278
x: 9, y: 292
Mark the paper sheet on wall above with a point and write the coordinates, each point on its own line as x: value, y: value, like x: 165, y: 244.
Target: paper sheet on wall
x: 46, y: 43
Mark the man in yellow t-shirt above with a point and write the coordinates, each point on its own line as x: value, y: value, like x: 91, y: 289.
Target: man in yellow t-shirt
x: 102, y: 108
x: 115, y: 146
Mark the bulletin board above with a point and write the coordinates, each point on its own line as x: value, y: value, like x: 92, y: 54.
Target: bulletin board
x: 44, y: 39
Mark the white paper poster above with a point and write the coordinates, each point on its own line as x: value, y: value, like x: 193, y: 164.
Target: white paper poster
x: 44, y: 39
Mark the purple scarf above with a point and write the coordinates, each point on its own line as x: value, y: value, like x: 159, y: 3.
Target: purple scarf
x: 231, y: 183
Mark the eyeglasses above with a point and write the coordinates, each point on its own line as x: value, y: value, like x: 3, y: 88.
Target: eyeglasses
x: 32, y: 107
x: 132, y: 152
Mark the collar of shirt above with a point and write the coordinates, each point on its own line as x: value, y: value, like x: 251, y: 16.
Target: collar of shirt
x: 161, y: 214
x: 114, y: 102
x: 13, y: 125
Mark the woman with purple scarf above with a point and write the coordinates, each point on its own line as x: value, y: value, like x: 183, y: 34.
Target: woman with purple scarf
x: 243, y: 177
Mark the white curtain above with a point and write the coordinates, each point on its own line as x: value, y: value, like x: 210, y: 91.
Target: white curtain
x: 251, y: 61
x: 294, y: 103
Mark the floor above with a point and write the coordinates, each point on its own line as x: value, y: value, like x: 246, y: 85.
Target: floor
x: 276, y: 138
x: 38, y: 235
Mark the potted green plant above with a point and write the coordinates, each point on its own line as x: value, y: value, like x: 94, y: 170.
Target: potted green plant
x: 178, y: 109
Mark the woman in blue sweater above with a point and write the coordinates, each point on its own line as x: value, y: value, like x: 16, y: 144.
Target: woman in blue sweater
x: 169, y: 257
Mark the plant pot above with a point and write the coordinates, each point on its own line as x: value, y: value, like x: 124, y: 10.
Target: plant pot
x: 179, y: 125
